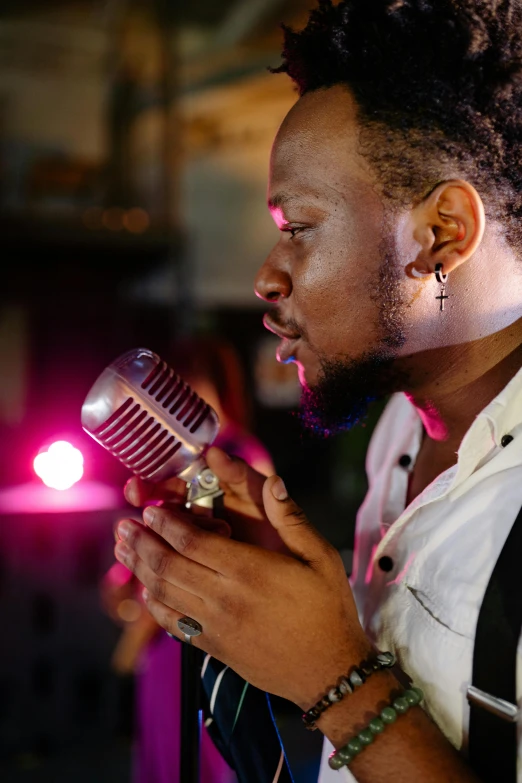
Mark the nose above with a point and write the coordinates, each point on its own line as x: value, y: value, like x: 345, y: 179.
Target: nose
x: 272, y: 283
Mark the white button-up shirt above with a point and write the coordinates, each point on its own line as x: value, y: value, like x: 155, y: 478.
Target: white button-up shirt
x: 443, y: 548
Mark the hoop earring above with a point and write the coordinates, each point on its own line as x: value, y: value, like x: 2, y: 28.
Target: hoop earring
x: 441, y: 279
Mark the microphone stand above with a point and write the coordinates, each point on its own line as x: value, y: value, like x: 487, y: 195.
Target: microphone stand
x: 190, y: 709
x: 203, y: 490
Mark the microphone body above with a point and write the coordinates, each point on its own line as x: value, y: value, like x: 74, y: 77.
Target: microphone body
x: 144, y: 414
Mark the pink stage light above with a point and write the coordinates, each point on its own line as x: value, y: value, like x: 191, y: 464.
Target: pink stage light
x: 60, y: 466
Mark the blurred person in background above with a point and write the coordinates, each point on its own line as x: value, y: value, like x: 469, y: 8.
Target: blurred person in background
x: 212, y: 368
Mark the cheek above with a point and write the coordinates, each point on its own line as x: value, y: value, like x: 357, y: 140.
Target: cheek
x: 333, y: 298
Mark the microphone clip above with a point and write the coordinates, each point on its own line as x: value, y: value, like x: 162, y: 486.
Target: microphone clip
x: 203, y: 489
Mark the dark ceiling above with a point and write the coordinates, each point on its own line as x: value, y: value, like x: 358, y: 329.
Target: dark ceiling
x: 202, y: 12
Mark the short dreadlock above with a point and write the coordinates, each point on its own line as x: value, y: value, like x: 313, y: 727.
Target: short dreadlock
x: 438, y: 81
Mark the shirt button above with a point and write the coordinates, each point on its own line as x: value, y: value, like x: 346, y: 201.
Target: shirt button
x: 506, y: 440
x: 405, y: 461
x: 385, y: 563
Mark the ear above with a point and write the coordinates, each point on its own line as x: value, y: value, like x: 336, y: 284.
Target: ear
x: 449, y: 226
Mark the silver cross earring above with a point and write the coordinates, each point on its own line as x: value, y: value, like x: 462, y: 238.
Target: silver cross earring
x: 442, y: 279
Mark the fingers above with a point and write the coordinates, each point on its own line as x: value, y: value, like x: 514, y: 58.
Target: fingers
x: 166, y: 593
x: 242, y: 484
x: 292, y: 524
x: 218, y: 526
x: 169, y: 594
x: 139, y: 549
x: 139, y: 492
x: 234, y: 473
x: 203, y: 520
x: 179, y: 530
x: 231, y: 470
x: 168, y: 619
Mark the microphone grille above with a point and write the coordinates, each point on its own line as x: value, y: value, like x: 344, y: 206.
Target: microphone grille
x: 174, y: 394
x: 137, y: 439
x: 144, y: 414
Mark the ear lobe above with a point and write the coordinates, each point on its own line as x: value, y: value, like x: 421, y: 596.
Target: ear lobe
x: 449, y: 225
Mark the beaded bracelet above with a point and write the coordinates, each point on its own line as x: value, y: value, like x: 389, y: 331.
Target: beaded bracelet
x: 388, y: 715
x: 347, y: 684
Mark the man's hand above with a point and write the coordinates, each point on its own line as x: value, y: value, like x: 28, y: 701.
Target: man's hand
x: 286, y: 623
x: 243, y: 498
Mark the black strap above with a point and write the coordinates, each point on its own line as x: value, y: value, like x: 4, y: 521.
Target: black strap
x: 493, y: 740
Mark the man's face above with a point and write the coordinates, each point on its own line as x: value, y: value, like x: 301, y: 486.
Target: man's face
x: 333, y: 276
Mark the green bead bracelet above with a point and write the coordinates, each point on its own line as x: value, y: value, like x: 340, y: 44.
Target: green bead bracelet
x: 389, y: 714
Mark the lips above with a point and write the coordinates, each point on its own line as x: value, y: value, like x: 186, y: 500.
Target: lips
x: 271, y: 324
x: 286, y: 348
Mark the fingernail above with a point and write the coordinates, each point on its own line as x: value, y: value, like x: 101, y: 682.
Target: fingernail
x: 279, y: 490
x: 149, y: 514
x: 145, y: 593
x: 121, y: 551
x: 124, y: 530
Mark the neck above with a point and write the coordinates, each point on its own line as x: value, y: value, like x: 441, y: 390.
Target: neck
x: 471, y: 375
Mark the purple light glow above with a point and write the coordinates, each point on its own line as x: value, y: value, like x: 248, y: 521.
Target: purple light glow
x: 35, y: 498
x: 60, y: 466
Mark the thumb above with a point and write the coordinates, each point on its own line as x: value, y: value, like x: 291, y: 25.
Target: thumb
x: 292, y: 524
x: 229, y: 470
x: 237, y: 478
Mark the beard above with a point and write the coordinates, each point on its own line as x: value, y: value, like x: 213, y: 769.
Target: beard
x: 346, y: 387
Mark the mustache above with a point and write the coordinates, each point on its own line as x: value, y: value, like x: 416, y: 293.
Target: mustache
x: 287, y: 324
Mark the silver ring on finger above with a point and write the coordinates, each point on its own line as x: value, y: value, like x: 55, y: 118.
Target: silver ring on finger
x: 189, y: 628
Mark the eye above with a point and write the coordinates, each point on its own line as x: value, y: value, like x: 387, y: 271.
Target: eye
x: 292, y: 230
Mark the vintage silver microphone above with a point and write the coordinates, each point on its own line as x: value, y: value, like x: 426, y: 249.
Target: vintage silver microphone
x: 141, y: 411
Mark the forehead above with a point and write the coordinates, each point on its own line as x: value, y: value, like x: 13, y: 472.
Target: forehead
x: 316, y: 148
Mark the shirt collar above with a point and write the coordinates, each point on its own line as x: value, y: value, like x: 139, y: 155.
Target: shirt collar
x: 483, y: 439
x: 504, y: 413
x: 502, y: 416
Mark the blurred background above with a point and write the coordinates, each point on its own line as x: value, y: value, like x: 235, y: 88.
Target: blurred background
x: 134, y: 143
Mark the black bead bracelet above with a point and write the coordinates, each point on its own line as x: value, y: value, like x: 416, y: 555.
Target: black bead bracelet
x: 347, y: 684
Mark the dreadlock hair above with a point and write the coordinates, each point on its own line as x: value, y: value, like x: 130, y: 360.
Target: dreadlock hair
x: 438, y: 85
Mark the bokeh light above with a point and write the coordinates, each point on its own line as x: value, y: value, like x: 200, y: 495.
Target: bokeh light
x: 60, y: 466
x: 112, y: 218
x: 136, y: 220
x: 129, y: 610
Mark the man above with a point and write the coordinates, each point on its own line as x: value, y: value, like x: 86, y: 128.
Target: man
x: 395, y: 186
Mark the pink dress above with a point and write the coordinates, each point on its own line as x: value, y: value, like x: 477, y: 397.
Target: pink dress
x: 157, y: 747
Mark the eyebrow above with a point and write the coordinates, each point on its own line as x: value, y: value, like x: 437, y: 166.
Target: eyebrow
x: 279, y: 200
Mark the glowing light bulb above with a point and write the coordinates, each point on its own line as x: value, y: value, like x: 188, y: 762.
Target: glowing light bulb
x: 60, y: 466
